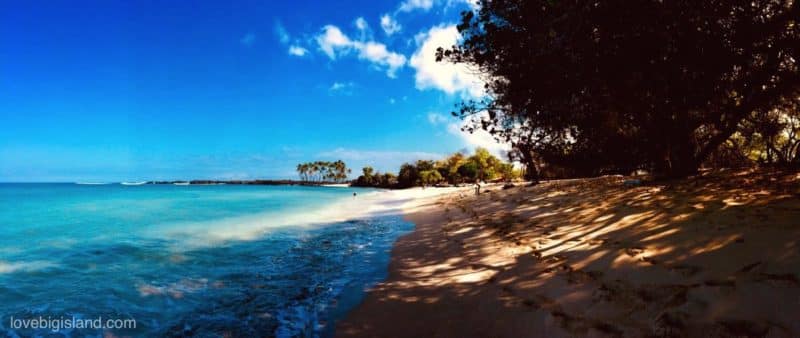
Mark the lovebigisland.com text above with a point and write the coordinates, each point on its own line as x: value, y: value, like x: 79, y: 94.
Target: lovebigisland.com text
x: 56, y: 324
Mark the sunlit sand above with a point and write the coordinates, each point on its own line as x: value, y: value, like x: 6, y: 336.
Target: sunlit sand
x: 712, y: 256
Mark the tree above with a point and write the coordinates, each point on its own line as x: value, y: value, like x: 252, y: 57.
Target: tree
x: 486, y: 163
x: 452, y: 164
x: 506, y: 171
x: 408, y: 176
x: 388, y: 180
x: 321, y: 171
x: 367, y: 173
x: 773, y: 137
x: 468, y: 171
x: 607, y: 86
x: 302, y: 171
x: 430, y: 177
x: 454, y: 168
x: 423, y: 165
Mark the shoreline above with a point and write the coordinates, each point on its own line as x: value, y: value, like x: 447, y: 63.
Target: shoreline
x: 593, y: 257
x: 380, y: 204
x: 275, y: 263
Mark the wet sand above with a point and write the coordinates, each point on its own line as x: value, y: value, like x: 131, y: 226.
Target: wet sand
x: 713, y: 256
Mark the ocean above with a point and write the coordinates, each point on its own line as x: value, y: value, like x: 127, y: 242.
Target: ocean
x: 208, y: 261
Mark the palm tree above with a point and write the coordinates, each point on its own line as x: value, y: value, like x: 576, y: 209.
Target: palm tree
x: 302, y: 169
x: 323, y: 171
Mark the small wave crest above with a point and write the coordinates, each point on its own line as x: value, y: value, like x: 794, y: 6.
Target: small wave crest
x: 251, y: 227
x: 11, y: 267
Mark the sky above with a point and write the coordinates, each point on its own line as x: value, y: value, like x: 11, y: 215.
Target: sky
x: 110, y: 91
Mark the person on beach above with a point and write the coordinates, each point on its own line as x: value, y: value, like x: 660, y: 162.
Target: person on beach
x: 354, y: 194
x: 477, y: 188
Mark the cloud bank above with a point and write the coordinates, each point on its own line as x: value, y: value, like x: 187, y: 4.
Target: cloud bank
x: 334, y: 43
x: 448, y: 77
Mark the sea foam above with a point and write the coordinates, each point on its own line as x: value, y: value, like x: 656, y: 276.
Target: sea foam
x: 250, y: 227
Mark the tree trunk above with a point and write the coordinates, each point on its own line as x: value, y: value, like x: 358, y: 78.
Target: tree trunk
x: 532, y: 173
x: 678, y: 159
x: 531, y: 170
x: 524, y: 153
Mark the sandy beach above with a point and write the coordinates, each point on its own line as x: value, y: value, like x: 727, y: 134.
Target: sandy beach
x: 713, y: 256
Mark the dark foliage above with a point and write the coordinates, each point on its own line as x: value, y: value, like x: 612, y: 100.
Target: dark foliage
x: 455, y: 169
x: 611, y: 86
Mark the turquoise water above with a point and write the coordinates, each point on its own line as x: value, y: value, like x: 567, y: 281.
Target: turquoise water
x: 187, y: 260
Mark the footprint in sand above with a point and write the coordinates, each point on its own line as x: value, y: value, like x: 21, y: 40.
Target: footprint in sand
x: 618, y: 291
x: 549, y: 270
x: 650, y: 260
x: 605, y: 292
x: 670, y: 324
x: 664, y: 296
x: 634, y: 251
x: 581, y: 277
x: 597, y: 241
x: 568, y: 322
x: 553, y: 258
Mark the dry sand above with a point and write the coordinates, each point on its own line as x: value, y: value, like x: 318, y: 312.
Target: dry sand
x: 714, y: 256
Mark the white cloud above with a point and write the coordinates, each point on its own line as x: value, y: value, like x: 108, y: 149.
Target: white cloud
x: 425, y: 5
x: 340, y: 85
x: 332, y: 39
x: 354, y: 154
x: 380, y: 160
x: 334, y: 43
x: 248, y: 39
x: 297, y: 50
x: 389, y: 25
x: 448, y: 77
x: 280, y: 31
x: 392, y: 101
x: 436, y: 118
x: 473, y: 4
x: 342, y: 88
x: 479, y: 138
x: 378, y: 54
x: 410, y: 5
x: 365, y: 33
x: 294, y: 47
x: 361, y: 24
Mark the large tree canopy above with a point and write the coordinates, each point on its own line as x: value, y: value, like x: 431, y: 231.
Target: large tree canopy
x: 601, y: 85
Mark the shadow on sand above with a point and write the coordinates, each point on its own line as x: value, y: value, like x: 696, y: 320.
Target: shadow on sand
x: 713, y: 256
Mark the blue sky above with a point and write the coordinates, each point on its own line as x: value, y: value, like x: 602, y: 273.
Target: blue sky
x: 111, y: 91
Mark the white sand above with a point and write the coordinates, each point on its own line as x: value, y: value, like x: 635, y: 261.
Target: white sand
x: 717, y: 256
